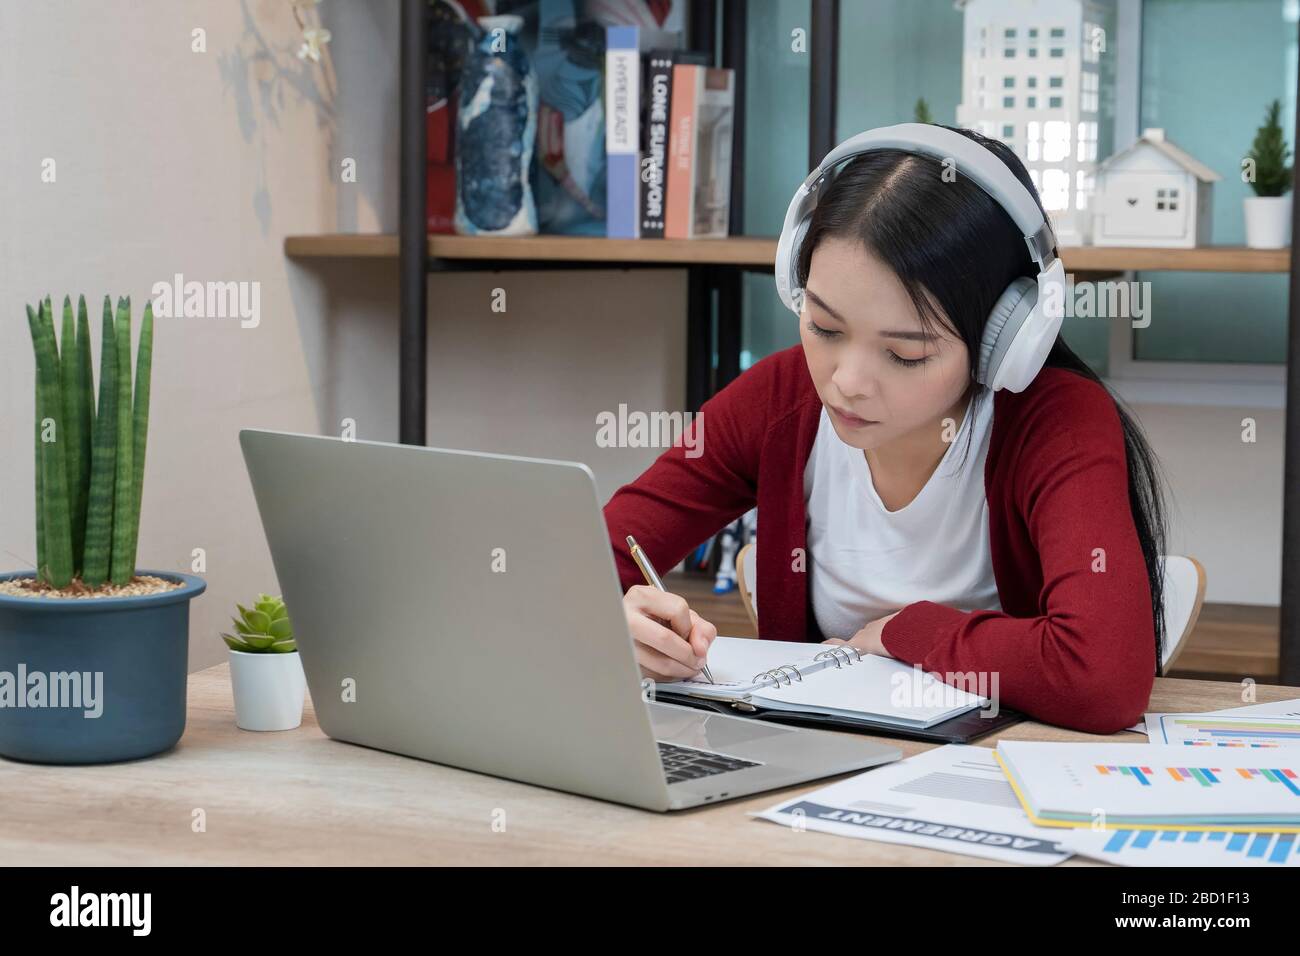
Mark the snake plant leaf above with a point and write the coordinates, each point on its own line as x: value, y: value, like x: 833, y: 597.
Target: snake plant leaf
x: 56, y: 511
x: 33, y: 323
x: 85, y: 385
x: 103, y: 459
x: 140, y: 420
x: 125, y: 516
x: 70, y: 383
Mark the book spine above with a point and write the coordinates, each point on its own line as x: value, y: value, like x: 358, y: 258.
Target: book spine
x: 711, y: 162
x: 654, y: 146
x: 622, y: 135
x: 681, y: 151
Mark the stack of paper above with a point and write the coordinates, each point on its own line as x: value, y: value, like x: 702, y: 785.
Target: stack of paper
x: 951, y: 798
x: 1277, y: 708
x: 1154, y: 786
x: 1212, y: 732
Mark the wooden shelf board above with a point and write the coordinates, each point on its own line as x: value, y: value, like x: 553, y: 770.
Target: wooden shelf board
x: 753, y: 251
x: 746, y: 250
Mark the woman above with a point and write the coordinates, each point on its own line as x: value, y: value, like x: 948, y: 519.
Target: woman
x: 904, y: 508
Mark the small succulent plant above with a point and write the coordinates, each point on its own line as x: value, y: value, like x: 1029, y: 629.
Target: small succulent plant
x: 262, y: 629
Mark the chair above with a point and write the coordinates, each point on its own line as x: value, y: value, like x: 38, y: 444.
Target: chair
x: 1184, y: 584
x: 743, y: 558
x: 1184, y: 587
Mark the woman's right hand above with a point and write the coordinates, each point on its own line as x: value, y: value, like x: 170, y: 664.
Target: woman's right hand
x: 671, y: 640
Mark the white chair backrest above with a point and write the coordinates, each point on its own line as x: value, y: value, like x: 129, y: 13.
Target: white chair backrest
x: 1184, y: 584
x: 745, y: 577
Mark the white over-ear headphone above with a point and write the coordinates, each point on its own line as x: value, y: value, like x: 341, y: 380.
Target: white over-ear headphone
x: 1027, y: 316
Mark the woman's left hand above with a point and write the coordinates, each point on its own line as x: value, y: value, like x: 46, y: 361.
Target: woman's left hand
x: 868, y: 639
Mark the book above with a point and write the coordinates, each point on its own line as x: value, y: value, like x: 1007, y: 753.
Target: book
x: 1153, y: 786
x: 622, y: 131
x: 831, y: 680
x: 656, y: 102
x: 699, y: 152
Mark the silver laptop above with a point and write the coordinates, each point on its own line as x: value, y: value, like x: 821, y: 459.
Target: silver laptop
x: 464, y: 608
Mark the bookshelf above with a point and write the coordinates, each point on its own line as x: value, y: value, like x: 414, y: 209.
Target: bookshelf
x: 715, y: 267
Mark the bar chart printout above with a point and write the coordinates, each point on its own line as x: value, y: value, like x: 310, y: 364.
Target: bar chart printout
x: 1187, y: 848
x: 1238, y: 733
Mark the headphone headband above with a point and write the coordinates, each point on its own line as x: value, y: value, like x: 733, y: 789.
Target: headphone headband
x: 1024, y: 322
x: 973, y: 161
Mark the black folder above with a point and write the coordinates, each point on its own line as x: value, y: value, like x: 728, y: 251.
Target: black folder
x: 961, y: 729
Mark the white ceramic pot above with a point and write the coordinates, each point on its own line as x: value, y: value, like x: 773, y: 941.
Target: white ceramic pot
x: 1268, y: 221
x: 270, y: 690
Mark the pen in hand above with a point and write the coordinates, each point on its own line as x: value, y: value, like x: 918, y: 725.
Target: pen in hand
x: 652, y: 578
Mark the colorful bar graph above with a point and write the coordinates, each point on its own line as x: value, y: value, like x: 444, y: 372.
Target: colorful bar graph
x: 1283, y: 775
x: 1235, y: 732
x: 1262, y: 848
x: 1206, y: 776
x: 1141, y: 774
x: 1269, y: 733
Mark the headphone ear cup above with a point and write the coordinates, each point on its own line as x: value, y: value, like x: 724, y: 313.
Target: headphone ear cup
x: 787, y: 265
x: 1004, y: 321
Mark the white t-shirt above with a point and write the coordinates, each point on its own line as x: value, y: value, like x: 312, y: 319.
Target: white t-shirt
x: 866, y: 561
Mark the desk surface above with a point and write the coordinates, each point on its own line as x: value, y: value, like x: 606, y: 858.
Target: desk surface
x: 297, y: 797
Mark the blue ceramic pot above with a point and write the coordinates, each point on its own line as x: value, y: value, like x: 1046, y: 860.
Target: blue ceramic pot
x: 99, y: 679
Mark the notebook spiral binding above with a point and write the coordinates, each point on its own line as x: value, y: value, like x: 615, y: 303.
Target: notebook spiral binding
x: 841, y: 656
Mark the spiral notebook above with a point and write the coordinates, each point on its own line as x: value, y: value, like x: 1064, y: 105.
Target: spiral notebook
x: 829, y: 680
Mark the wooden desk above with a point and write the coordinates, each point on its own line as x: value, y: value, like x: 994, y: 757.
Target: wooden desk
x: 298, y: 797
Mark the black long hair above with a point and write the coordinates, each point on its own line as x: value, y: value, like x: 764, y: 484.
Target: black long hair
x: 890, y: 200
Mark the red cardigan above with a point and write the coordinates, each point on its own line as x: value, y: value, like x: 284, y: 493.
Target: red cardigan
x: 1074, y: 643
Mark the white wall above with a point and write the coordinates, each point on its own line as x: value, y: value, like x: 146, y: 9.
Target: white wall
x: 1225, y: 494
x: 174, y: 161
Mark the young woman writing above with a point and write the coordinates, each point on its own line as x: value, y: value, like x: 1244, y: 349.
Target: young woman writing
x: 939, y: 478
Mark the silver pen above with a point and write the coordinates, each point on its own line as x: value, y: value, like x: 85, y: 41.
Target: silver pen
x: 652, y: 578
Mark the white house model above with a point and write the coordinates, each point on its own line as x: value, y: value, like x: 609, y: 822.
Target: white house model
x: 1031, y: 78
x: 1153, y: 194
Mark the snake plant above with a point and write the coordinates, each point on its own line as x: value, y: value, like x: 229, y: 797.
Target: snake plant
x: 263, y: 629
x: 89, y: 464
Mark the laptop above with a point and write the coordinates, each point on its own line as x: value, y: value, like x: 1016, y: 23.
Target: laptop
x: 464, y: 608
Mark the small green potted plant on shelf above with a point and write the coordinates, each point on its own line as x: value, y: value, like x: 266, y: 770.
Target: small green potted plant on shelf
x: 265, y: 669
x: 1268, y: 212
x: 94, y: 652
